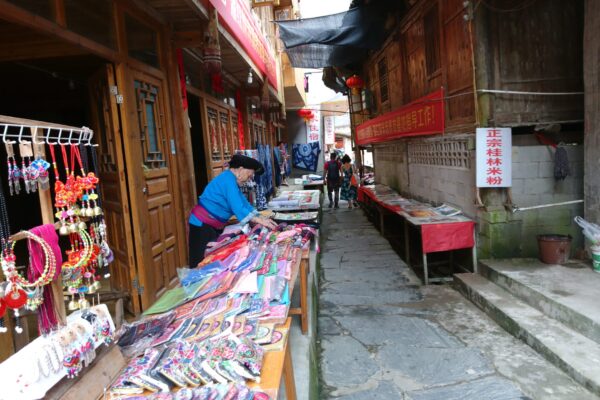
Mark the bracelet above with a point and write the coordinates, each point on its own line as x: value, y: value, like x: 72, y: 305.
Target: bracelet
x: 44, y: 363
x: 55, y: 362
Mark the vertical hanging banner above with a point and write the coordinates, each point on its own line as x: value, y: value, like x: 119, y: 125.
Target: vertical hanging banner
x: 329, y: 128
x: 494, y: 157
x: 313, y: 131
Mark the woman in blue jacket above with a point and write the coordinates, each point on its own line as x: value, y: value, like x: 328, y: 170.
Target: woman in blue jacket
x: 221, y: 199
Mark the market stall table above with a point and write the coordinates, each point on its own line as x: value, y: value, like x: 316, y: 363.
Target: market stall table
x: 438, y: 233
x: 275, y: 365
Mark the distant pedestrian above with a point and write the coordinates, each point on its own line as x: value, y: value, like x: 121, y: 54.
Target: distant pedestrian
x: 349, y: 183
x: 332, y: 178
x: 283, y: 162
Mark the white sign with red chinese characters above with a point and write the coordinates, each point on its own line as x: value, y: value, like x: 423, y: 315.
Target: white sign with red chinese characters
x: 494, y: 157
x: 329, y: 127
x: 313, y: 131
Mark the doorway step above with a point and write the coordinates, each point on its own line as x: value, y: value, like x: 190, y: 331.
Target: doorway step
x: 553, y: 308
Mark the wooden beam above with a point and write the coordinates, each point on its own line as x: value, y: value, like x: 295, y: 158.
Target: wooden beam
x: 15, y: 14
x: 198, y: 8
x: 17, y: 51
x: 58, y: 9
x: 188, y: 39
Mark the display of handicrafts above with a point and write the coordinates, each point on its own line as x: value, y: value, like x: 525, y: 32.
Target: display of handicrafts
x: 76, y: 201
x: 80, y: 217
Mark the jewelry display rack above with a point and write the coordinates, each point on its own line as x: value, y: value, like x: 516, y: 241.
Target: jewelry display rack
x: 39, y: 134
x: 19, y: 131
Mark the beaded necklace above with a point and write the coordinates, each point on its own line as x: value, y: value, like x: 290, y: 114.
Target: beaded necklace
x: 4, y: 238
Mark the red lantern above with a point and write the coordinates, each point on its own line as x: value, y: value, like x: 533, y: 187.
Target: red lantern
x: 306, y: 114
x: 355, y: 83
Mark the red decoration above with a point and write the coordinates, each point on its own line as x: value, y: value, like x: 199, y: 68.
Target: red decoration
x: 15, y: 298
x: 424, y: 116
x: 216, y: 81
x: 2, y: 307
x: 182, y: 84
x: 355, y: 83
x: 306, y: 114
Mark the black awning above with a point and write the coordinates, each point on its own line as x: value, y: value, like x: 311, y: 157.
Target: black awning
x: 332, y: 40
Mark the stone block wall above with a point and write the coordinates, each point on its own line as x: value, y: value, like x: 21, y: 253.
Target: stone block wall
x: 591, y: 79
x: 501, y: 234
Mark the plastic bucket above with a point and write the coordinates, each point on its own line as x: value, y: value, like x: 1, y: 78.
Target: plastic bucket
x: 554, y: 249
x: 595, y: 258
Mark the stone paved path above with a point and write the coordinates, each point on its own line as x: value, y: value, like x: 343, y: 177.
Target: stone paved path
x: 383, y: 336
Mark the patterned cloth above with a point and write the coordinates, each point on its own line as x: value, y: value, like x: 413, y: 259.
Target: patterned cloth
x: 348, y: 191
x: 306, y: 155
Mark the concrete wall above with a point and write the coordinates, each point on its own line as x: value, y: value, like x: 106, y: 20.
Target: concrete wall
x: 501, y: 233
x: 591, y: 78
x: 430, y: 183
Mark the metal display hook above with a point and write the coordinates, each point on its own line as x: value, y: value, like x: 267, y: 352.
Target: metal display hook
x: 34, y: 135
x: 21, y: 140
x: 4, y: 136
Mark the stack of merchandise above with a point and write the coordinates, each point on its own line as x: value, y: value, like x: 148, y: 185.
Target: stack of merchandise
x: 411, y: 209
x: 296, y: 200
x: 209, y: 335
x: 307, y: 217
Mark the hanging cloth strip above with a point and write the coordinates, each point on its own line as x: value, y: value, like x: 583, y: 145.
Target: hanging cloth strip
x: 47, y: 312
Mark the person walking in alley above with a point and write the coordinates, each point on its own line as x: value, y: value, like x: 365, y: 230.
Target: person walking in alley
x: 332, y: 178
x: 349, y: 183
x: 283, y: 162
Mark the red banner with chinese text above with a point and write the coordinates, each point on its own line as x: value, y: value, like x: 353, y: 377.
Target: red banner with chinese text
x: 424, y: 116
x: 237, y: 17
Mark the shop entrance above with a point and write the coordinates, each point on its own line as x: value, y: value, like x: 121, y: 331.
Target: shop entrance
x: 198, y: 147
x: 133, y: 129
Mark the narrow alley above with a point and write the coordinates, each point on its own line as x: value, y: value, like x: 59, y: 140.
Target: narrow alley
x: 300, y: 200
x: 384, y: 336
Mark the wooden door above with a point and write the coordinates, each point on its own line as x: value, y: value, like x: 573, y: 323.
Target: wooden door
x: 218, y: 135
x: 152, y: 168
x: 115, y: 199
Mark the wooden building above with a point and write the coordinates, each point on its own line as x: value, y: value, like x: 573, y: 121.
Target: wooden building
x: 500, y: 63
x: 134, y: 72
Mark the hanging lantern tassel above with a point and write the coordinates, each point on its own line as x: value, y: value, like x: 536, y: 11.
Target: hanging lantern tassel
x: 212, y: 49
x: 355, y: 83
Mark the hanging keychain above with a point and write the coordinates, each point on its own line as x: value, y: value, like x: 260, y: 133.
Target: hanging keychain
x: 59, y: 200
x: 10, y: 154
x: 26, y: 152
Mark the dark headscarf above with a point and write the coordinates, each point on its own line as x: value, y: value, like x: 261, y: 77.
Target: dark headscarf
x: 239, y: 160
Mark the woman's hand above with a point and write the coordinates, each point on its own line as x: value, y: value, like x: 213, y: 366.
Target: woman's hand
x: 266, y: 222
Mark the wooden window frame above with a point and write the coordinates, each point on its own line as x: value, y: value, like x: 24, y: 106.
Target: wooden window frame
x: 432, y: 41
x: 383, y: 80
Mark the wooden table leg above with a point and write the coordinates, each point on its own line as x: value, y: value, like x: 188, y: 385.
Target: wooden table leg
x: 288, y: 375
x: 303, y: 295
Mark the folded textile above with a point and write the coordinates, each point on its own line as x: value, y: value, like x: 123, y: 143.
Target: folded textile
x: 247, y: 283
